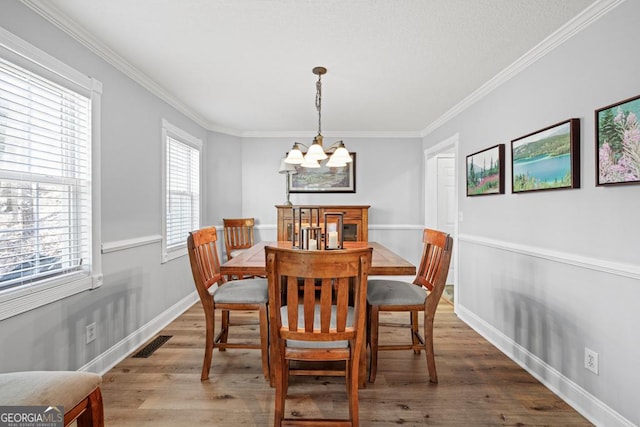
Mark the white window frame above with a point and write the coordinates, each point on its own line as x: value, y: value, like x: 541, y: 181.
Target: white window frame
x: 171, y: 131
x: 14, y: 301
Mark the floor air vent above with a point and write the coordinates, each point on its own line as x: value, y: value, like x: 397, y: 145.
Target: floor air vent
x: 153, y: 346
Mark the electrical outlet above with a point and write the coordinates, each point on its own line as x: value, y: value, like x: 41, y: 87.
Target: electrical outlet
x: 91, y: 332
x: 591, y: 360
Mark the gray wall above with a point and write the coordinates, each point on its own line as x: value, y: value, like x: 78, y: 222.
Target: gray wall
x: 544, y: 275
x: 222, y: 178
x: 389, y: 178
x: 139, y: 293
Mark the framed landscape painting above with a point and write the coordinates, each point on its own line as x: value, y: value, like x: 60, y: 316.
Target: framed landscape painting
x: 547, y: 159
x: 618, y: 143
x: 324, y: 179
x: 485, y: 171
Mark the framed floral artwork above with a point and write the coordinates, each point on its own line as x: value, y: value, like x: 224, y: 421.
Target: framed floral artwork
x: 618, y: 143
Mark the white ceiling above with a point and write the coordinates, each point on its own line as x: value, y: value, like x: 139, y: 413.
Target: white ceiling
x: 244, y: 66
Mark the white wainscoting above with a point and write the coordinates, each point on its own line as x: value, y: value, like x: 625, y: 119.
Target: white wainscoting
x: 605, y: 266
x: 134, y: 242
x: 580, y: 399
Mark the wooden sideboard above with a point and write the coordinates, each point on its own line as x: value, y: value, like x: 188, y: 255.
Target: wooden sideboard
x: 355, y: 222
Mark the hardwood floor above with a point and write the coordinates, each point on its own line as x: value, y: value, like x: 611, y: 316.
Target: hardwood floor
x: 478, y: 385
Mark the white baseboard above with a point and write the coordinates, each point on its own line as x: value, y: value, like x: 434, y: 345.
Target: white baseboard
x: 114, y: 355
x: 581, y: 400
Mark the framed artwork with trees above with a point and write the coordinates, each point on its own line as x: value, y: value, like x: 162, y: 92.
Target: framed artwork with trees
x: 547, y: 159
x: 485, y: 171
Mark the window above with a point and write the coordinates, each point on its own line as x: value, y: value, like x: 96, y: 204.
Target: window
x: 181, y: 189
x: 46, y: 180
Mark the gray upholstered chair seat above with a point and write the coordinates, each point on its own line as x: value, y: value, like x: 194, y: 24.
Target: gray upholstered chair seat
x: 316, y: 324
x: 47, y: 388
x: 249, y: 291
x: 394, y: 292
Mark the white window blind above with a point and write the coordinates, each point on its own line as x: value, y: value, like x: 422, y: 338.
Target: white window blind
x: 45, y: 179
x: 182, y: 189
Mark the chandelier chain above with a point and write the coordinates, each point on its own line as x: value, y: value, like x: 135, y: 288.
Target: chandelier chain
x: 319, y: 103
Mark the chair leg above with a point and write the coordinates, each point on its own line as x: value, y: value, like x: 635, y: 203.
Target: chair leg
x: 368, y: 323
x: 428, y: 344
x: 281, y: 393
x: 208, y: 345
x: 414, y: 332
x: 223, y: 336
x: 287, y: 366
x: 352, y: 391
x: 93, y: 415
x: 373, y: 337
x: 264, y: 341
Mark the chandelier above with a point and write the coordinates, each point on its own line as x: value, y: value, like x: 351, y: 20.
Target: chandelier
x: 315, y: 153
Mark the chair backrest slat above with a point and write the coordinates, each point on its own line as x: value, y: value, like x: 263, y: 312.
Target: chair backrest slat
x: 342, y: 301
x: 292, y: 309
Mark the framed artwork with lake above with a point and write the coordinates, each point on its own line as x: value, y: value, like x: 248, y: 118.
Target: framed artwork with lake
x: 324, y: 179
x: 485, y: 171
x: 547, y: 159
x: 618, y: 143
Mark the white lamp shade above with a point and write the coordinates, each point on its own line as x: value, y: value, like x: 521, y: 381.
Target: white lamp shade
x: 286, y: 167
x: 342, y: 154
x: 295, y: 156
x: 310, y: 163
x: 315, y: 152
x: 335, y: 162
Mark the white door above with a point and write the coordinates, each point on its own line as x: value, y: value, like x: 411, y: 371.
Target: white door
x: 446, y: 198
x: 441, y: 204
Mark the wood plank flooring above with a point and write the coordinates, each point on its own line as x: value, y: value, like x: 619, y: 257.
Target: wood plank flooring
x: 478, y: 385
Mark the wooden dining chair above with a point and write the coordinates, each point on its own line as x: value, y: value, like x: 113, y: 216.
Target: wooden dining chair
x: 421, y: 295
x: 238, y: 235
x: 217, y: 293
x: 317, y: 325
x: 77, y: 392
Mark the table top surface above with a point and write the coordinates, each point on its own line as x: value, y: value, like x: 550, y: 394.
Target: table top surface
x: 384, y: 262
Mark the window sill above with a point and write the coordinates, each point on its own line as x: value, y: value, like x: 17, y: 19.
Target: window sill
x: 17, y: 301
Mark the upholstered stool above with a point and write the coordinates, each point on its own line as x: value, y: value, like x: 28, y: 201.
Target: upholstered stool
x: 78, y: 392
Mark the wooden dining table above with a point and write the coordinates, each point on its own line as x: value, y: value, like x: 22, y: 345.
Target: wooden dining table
x: 384, y: 262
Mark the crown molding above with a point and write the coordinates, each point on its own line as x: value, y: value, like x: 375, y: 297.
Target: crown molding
x: 587, y: 17
x: 333, y: 134
x: 53, y: 15
x: 577, y: 24
x: 57, y: 18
